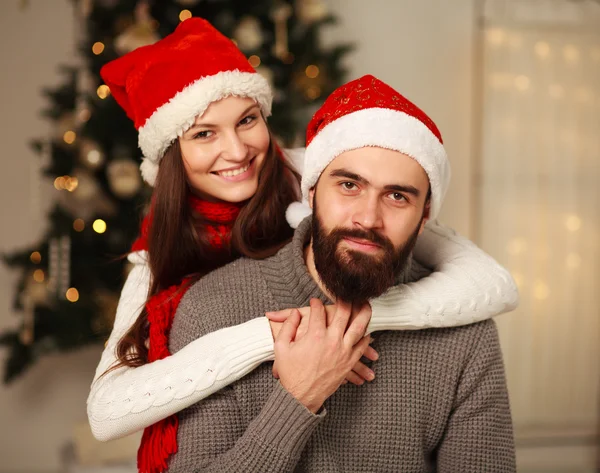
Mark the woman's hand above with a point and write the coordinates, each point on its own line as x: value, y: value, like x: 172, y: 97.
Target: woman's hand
x: 314, y: 367
x: 359, y: 374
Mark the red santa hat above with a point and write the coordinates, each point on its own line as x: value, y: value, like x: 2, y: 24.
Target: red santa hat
x: 164, y: 86
x: 368, y: 112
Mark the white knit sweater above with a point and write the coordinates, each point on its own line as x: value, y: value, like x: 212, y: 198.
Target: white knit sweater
x: 466, y: 286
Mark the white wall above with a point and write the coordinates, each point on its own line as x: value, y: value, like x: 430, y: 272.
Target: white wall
x: 37, y: 412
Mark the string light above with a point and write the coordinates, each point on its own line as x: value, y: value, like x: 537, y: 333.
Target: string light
x: 254, y: 61
x: 98, y: 48
x: 72, y: 294
x: 541, y: 291
x: 185, y: 15
x: 573, y: 223
x: 542, y: 49
x: 312, y: 71
x: 495, y: 36
x: 38, y: 275
x: 103, y: 91
x: 522, y: 83
x: 84, y: 115
x: 78, y: 225
x: 517, y: 246
x: 313, y: 92
x: 36, y: 257
x: 69, y: 137
x: 94, y: 157
x: 59, y: 183
x: 71, y: 183
x: 99, y: 226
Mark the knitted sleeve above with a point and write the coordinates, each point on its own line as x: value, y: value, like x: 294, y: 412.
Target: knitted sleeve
x: 466, y: 286
x: 126, y: 399
x: 225, y: 441
x: 479, y: 435
x: 218, y: 435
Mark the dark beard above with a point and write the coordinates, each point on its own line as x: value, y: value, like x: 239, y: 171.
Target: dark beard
x: 354, y: 276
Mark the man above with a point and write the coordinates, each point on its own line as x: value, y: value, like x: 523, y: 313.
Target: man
x: 375, y: 171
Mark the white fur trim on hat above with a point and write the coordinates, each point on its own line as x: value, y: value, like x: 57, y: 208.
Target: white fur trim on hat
x: 149, y: 171
x: 176, y: 116
x: 296, y: 212
x: 384, y: 128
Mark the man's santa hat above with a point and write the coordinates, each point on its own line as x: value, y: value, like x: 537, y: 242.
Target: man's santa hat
x: 164, y: 86
x: 368, y: 112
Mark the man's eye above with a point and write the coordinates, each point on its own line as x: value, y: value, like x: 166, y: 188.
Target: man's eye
x: 397, y: 196
x: 349, y: 186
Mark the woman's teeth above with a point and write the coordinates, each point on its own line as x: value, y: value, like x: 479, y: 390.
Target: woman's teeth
x: 234, y: 172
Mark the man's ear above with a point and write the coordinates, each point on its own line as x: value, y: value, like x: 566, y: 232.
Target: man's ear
x: 426, y: 214
x: 311, y: 197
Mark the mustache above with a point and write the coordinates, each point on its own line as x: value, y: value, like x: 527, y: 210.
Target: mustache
x: 368, y: 235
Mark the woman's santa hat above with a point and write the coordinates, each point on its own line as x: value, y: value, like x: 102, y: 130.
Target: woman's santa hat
x: 368, y: 112
x: 164, y: 86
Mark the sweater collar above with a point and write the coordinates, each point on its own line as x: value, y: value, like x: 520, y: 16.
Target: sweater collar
x: 286, y: 273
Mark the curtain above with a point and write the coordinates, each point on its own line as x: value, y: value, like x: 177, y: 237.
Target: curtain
x: 538, y: 188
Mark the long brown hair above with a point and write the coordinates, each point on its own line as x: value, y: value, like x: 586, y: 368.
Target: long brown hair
x: 178, y: 248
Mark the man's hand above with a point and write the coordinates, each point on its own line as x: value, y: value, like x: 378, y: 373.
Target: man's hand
x: 313, y: 367
x: 360, y: 372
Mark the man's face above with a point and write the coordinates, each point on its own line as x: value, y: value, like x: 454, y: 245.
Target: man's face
x: 369, y: 206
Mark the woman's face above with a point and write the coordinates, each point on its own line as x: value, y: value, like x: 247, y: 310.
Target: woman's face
x: 224, y: 150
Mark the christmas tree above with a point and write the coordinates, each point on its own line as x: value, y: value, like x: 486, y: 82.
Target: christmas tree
x: 70, y: 282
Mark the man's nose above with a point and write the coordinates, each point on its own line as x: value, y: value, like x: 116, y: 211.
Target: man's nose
x: 368, y: 213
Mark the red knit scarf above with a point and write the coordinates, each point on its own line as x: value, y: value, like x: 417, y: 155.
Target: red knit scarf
x: 159, y: 441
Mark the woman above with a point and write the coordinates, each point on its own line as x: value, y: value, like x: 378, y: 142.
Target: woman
x: 221, y: 188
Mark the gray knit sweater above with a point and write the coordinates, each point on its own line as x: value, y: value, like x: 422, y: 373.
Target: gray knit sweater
x: 438, y: 403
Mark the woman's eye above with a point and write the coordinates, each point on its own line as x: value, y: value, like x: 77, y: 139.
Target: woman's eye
x: 349, y: 186
x: 247, y: 120
x: 202, y: 135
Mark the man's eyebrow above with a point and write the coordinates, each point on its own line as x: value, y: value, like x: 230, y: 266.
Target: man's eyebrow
x: 407, y: 189
x: 209, y: 125
x: 403, y: 189
x: 349, y: 175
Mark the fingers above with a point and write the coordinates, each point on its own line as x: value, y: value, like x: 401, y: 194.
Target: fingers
x: 358, y: 326
x: 316, y: 321
x: 363, y: 371
x: 371, y: 353
x: 353, y: 378
x: 278, y: 315
x: 359, y: 349
x: 341, y: 318
x: 330, y: 309
x: 303, y: 328
x: 288, y: 330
